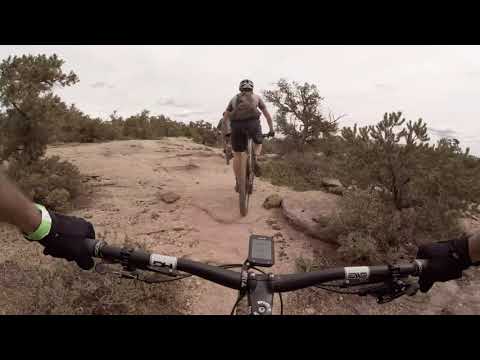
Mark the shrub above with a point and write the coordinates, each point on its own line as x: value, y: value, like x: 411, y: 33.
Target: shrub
x: 299, y: 171
x: 26, y: 94
x: 204, y: 133
x: 418, y: 192
x: 49, y: 181
x: 373, y: 230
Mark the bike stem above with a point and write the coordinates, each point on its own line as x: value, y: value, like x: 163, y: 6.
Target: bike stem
x: 260, y: 294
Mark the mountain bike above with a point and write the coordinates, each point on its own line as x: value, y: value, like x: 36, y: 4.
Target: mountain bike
x: 385, y: 282
x: 245, y: 183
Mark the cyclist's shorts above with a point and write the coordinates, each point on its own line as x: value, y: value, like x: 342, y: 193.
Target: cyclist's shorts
x: 240, y: 129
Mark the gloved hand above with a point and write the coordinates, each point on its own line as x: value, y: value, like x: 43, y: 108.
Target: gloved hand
x: 446, y: 261
x: 271, y: 133
x: 66, y: 238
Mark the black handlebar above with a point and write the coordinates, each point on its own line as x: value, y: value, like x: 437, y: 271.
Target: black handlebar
x: 231, y: 279
x: 228, y: 278
x: 371, y: 274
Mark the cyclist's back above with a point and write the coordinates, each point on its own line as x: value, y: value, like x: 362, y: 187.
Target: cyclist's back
x: 244, y: 111
x: 244, y: 115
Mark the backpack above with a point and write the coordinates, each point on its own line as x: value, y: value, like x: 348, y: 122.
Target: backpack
x: 245, y: 107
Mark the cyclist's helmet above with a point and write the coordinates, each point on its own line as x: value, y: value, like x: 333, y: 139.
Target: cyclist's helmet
x: 246, y: 85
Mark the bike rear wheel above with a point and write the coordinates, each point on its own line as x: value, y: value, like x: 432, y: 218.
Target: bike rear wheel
x: 246, y: 180
x: 250, y: 167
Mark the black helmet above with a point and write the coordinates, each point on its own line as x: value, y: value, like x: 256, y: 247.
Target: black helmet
x: 246, y: 85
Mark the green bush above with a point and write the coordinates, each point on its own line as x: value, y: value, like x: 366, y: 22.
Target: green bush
x: 373, y: 230
x: 397, y: 157
x: 30, y: 106
x: 204, y: 133
x: 50, y: 182
x: 418, y: 192
x: 299, y: 171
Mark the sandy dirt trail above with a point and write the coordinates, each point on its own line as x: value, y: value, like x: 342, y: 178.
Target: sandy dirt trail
x: 205, y: 224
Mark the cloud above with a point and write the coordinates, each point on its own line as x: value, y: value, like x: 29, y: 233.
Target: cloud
x: 101, y: 85
x: 472, y: 73
x: 443, y: 133
x: 383, y: 87
x: 171, y: 102
x: 188, y: 113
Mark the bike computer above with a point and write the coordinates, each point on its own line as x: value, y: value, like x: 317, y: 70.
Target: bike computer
x: 260, y: 251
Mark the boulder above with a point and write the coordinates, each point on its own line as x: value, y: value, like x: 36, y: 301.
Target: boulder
x: 272, y: 201
x: 312, y: 212
x: 333, y: 186
x: 329, y: 182
x: 338, y: 190
x: 169, y: 197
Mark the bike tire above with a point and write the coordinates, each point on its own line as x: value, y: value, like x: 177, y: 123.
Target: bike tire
x: 250, y: 164
x: 243, y: 193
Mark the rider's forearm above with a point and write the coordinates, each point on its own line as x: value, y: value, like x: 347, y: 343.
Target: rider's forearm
x: 16, y: 209
x: 474, y: 247
x: 269, y: 119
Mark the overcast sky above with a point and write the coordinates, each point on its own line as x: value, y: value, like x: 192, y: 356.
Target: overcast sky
x: 437, y: 83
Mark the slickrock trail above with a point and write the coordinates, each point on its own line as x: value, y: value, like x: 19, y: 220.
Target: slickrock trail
x: 129, y: 180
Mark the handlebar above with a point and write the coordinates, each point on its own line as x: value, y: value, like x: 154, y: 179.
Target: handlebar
x: 278, y: 283
x: 148, y: 261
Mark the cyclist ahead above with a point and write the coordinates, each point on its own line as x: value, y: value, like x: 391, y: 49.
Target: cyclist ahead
x: 224, y: 128
x: 244, y: 112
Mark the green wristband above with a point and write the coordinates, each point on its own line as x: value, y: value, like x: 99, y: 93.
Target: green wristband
x: 44, y: 227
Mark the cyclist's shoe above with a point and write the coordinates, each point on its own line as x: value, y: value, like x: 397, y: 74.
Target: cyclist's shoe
x: 256, y: 168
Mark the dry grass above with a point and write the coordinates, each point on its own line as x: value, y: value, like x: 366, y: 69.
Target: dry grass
x: 36, y: 284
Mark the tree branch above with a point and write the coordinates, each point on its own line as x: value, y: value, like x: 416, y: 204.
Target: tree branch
x: 20, y: 111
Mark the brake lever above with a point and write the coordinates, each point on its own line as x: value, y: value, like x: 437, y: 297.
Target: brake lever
x: 102, y: 269
x: 391, y: 290
x: 134, y: 274
x: 164, y: 271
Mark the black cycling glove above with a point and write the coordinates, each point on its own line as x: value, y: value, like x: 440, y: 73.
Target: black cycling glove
x: 446, y: 261
x: 65, y: 237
